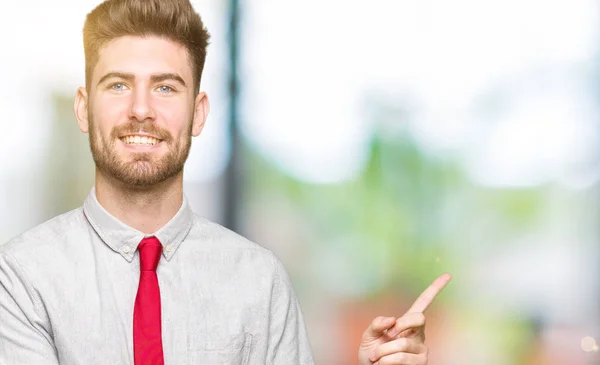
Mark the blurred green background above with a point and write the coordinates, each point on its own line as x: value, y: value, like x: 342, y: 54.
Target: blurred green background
x: 372, y: 146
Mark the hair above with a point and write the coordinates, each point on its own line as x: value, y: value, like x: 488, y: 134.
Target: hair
x: 175, y: 20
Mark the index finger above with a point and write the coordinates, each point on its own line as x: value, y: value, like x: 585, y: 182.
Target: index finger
x: 425, y: 299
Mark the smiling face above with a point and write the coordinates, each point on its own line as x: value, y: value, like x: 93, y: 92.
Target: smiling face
x: 141, y: 110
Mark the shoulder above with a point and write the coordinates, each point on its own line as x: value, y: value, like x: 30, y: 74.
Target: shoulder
x: 45, y: 236
x: 213, y: 237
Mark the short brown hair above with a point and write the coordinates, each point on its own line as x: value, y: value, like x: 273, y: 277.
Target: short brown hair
x: 173, y: 19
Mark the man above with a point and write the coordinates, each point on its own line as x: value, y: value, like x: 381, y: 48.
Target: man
x: 133, y: 276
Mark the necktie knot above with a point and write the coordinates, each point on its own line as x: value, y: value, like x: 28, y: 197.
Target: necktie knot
x: 150, y: 250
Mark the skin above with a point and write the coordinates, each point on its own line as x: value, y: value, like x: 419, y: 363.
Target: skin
x: 151, y: 91
x: 145, y: 86
x: 391, y: 341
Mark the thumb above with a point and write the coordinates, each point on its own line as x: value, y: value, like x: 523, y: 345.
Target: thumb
x: 378, y: 327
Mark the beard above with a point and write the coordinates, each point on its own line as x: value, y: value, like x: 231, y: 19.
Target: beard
x: 144, y: 170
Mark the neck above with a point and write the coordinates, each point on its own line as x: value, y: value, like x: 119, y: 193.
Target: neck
x: 146, y: 209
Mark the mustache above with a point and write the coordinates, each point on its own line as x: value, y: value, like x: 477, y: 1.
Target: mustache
x: 137, y: 127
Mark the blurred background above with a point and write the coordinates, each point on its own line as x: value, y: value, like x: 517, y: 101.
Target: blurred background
x: 372, y: 146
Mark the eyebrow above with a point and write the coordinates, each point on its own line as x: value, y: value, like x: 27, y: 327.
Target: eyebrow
x: 153, y: 78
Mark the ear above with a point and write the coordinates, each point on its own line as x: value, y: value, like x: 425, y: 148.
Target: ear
x: 80, y: 107
x: 202, y: 107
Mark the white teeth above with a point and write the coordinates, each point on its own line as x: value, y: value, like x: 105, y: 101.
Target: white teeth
x: 141, y: 140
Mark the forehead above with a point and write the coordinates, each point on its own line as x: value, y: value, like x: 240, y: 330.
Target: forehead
x: 143, y: 56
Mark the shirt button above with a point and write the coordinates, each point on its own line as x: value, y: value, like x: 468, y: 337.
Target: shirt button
x: 126, y: 249
x: 168, y: 248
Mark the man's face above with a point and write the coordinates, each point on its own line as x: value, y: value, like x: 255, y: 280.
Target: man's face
x: 142, y: 110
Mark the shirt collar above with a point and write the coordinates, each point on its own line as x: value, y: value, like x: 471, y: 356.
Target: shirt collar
x: 124, y: 240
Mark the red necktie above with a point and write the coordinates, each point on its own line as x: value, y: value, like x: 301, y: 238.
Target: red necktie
x: 147, y: 339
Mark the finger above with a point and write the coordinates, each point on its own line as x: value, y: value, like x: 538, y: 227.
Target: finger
x: 406, y: 345
x: 402, y: 358
x: 408, y: 321
x: 425, y: 299
x: 378, y: 327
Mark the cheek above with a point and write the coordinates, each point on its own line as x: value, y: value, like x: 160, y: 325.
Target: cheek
x: 108, y: 113
x: 175, y: 117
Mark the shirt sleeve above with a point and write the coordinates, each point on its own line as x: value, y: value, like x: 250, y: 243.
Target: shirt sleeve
x: 25, y: 335
x: 288, y: 340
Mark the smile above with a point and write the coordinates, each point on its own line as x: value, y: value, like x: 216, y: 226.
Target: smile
x: 140, y: 140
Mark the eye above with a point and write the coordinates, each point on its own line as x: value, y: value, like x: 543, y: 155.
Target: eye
x: 117, y: 87
x: 165, y: 89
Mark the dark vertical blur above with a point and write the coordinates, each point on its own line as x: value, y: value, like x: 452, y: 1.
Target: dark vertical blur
x: 233, y: 178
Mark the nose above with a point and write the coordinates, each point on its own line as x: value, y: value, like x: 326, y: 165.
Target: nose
x: 141, y: 106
